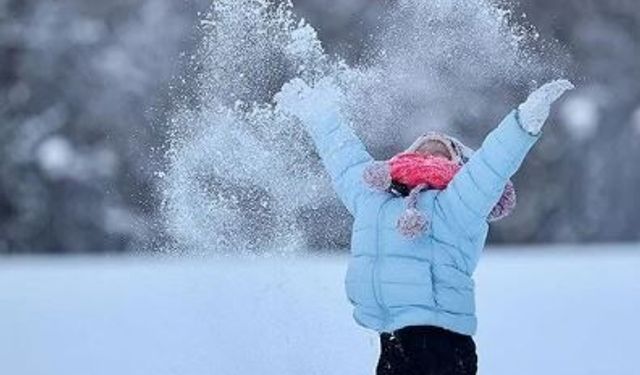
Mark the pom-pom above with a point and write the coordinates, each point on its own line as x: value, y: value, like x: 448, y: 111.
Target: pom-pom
x: 377, y: 176
x: 505, y: 205
x: 412, y: 223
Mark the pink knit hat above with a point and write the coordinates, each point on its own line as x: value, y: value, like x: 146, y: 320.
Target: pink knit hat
x: 409, y: 172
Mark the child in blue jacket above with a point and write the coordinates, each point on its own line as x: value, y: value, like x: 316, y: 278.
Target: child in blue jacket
x: 414, y: 248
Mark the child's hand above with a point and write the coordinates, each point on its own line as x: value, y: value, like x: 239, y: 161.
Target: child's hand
x: 305, y: 102
x: 290, y: 97
x: 535, y: 110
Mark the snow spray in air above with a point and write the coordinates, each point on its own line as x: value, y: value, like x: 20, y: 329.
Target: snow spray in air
x: 242, y: 177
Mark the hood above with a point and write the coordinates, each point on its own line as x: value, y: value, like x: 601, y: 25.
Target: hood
x: 413, y: 222
x: 459, y: 152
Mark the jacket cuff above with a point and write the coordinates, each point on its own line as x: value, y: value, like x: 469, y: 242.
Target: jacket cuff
x: 513, y: 136
x: 517, y: 115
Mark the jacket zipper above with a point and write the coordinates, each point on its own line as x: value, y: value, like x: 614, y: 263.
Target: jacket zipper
x: 375, y: 277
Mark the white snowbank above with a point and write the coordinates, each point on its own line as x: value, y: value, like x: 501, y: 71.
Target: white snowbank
x: 542, y: 311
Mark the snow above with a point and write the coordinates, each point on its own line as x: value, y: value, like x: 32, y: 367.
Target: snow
x: 55, y: 156
x: 581, y: 116
x: 560, y: 310
x: 225, y: 140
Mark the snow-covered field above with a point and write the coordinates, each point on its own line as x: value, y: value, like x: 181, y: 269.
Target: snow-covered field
x: 568, y: 311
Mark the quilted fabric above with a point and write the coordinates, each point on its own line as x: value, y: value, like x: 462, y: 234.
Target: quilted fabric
x: 394, y: 281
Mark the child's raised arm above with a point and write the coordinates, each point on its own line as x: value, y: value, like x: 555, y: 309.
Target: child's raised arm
x: 477, y: 187
x: 342, y: 153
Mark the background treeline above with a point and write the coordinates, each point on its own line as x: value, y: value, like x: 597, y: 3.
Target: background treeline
x: 84, y: 90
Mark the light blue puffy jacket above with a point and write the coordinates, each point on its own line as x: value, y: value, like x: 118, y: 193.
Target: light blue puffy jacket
x: 393, y: 281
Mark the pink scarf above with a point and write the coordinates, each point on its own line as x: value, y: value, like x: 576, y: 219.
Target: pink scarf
x: 419, y: 172
x: 414, y: 169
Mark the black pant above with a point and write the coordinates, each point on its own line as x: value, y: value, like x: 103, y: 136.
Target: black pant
x: 426, y: 350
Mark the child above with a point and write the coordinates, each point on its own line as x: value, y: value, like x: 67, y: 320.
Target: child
x: 418, y: 234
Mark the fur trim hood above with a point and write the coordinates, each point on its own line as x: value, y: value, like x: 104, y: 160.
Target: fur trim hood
x: 412, y: 222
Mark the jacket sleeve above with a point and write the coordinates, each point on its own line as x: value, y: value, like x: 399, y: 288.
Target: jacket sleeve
x: 343, y: 156
x: 478, y: 186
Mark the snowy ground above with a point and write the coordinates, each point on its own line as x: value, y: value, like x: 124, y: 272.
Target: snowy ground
x: 542, y: 311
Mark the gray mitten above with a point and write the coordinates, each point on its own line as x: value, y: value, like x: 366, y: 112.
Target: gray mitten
x: 306, y: 102
x: 535, y: 110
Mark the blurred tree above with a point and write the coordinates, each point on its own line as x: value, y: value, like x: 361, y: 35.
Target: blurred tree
x: 83, y: 94
x: 77, y: 82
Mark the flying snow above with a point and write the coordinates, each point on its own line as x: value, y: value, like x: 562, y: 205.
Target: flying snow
x: 242, y: 177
